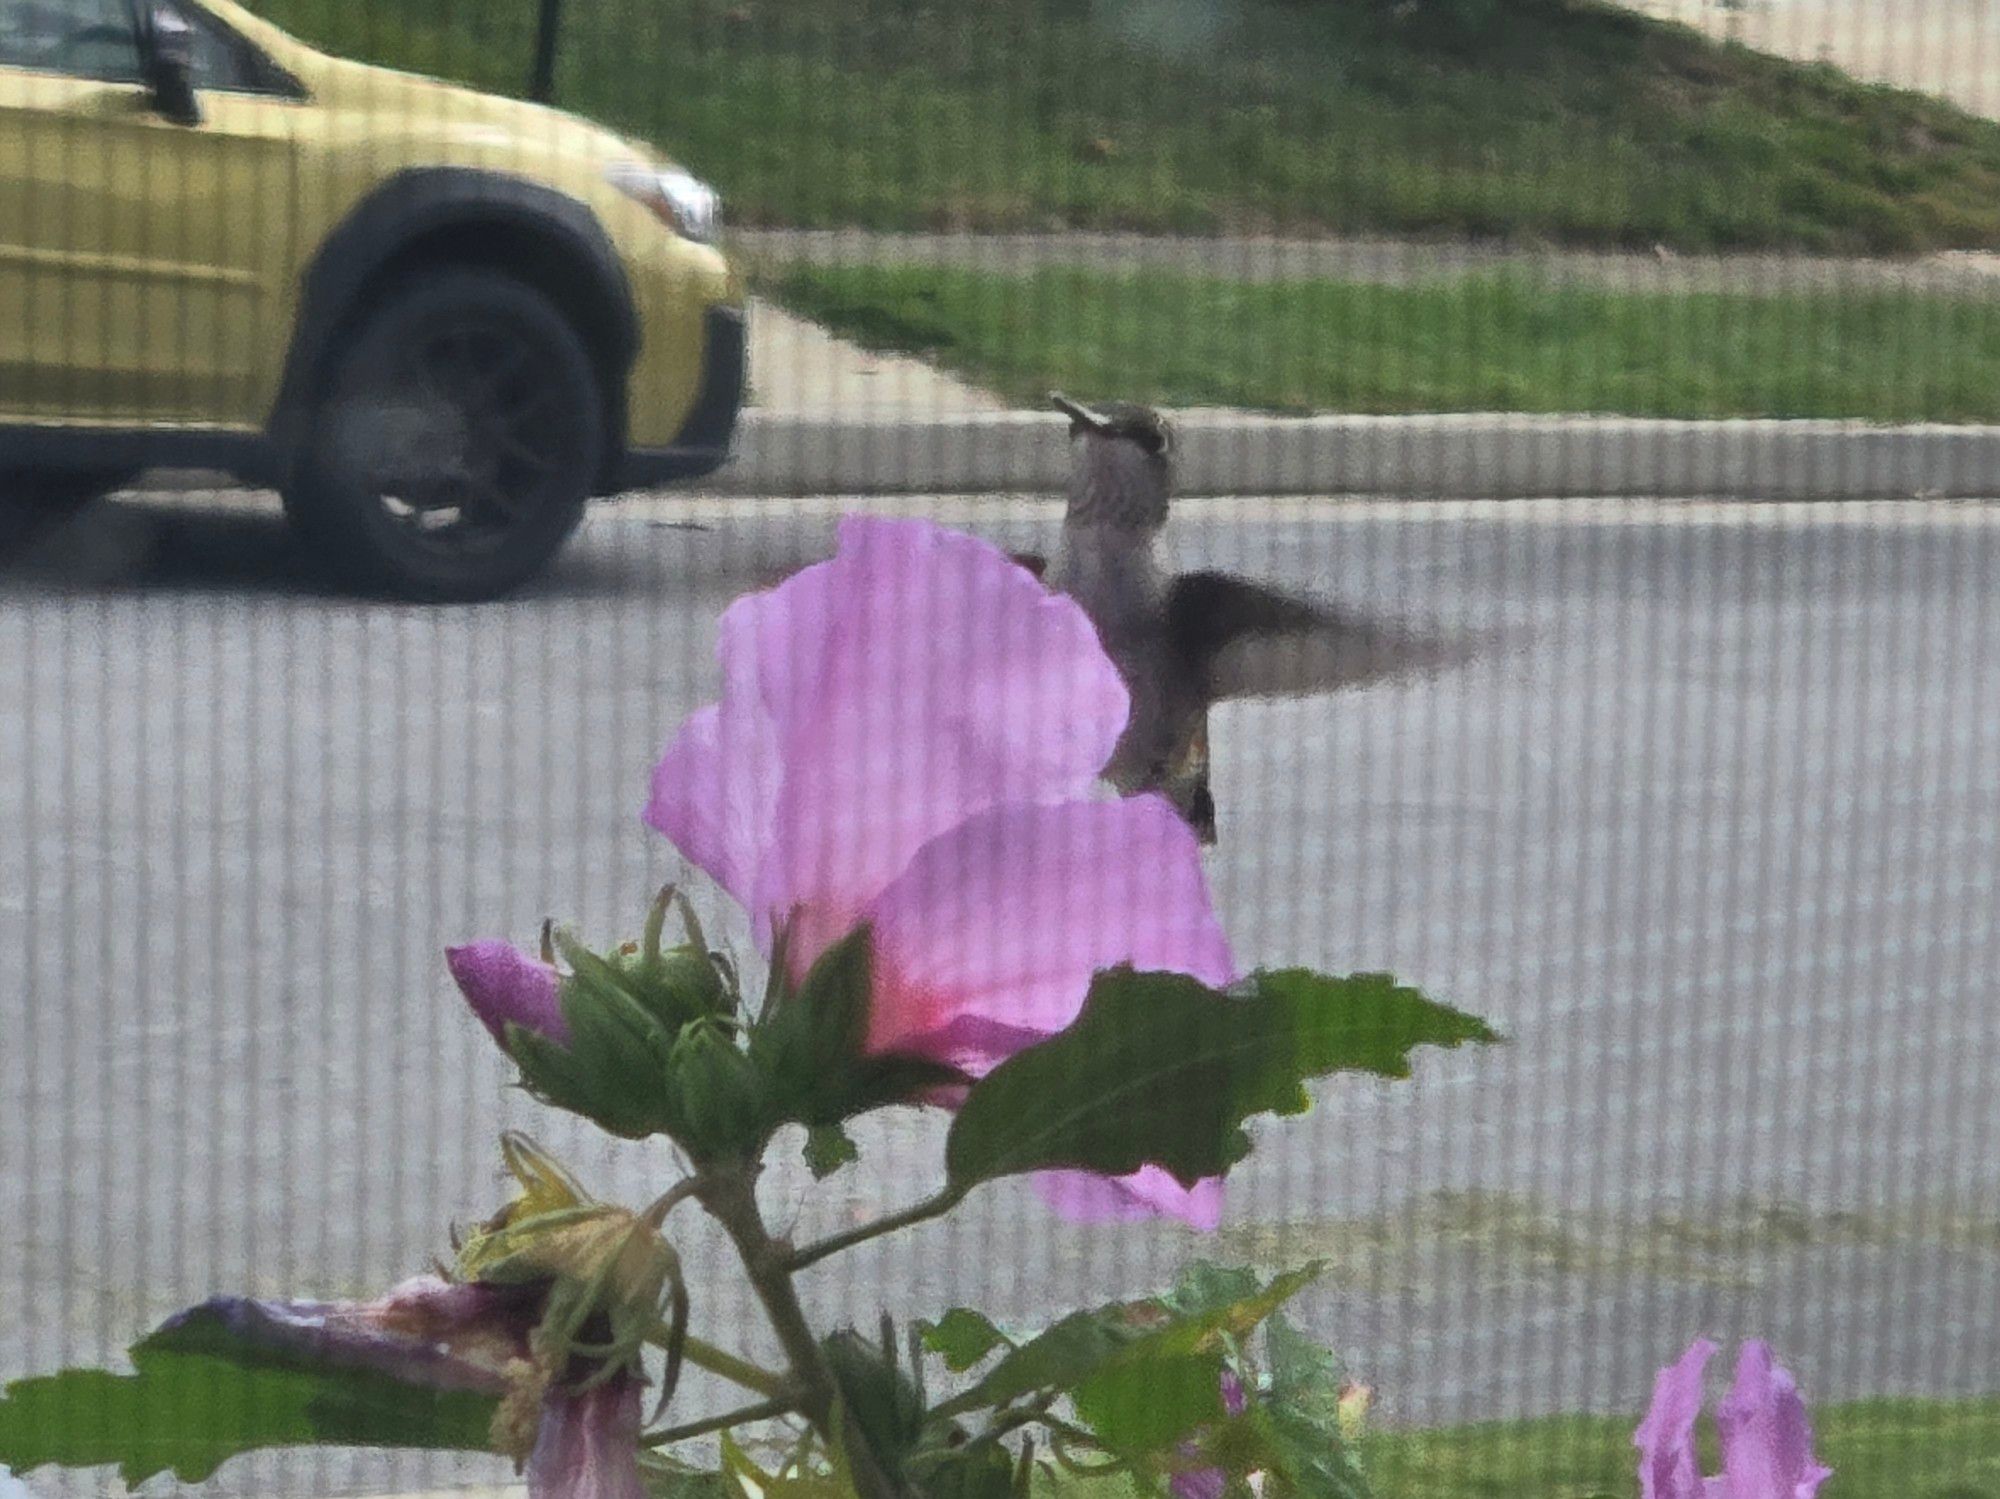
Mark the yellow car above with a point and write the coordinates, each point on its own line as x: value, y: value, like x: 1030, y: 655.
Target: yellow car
x: 437, y: 321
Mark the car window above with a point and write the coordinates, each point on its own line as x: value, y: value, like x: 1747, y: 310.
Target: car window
x: 82, y: 38
x: 224, y: 60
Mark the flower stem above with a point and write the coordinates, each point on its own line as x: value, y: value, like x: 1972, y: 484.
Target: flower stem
x: 720, y: 1361
x: 930, y: 1207
x: 763, y: 1410
x: 730, y: 1195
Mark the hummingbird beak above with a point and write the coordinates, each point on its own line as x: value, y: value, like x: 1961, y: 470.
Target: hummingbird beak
x: 1081, y: 417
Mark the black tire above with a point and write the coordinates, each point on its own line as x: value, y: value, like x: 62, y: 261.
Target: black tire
x: 457, y: 433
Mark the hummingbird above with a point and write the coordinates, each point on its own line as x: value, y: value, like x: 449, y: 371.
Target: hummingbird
x: 1186, y: 641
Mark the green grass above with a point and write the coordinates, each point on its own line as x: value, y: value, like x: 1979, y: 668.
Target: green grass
x: 1475, y: 343
x: 1578, y: 123
x: 1878, y: 1449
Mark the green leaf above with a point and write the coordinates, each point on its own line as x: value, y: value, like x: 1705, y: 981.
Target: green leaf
x: 1303, y: 1458
x: 1111, y: 1356
x: 962, y: 1337
x: 827, y: 1149
x: 200, y: 1397
x: 1206, y: 1287
x: 809, y: 1044
x: 1160, y: 1069
x: 975, y: 1471
x: 1297, y: 1423
x: 1303, y: 1373
x: 1150, y: 1398
x: 879, y: 1398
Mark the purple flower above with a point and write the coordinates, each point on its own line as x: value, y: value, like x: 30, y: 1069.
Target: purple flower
x: 504, y: 984
x: 1766, y: 1440
x: 910, y: 736
x: 1208, y: 1483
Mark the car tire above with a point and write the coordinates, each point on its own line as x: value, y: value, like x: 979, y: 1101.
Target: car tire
x: 458, y: 432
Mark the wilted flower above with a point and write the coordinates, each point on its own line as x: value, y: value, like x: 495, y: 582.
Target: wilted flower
x: 1766, y: 1440
x: 427, y: 1331
x: 550, y: 1270
x: 909, y: 736
x: 587, y: 1444
x: 434, y: 1334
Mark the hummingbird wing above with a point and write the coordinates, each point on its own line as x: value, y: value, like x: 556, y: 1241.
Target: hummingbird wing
x: 1245, y: 639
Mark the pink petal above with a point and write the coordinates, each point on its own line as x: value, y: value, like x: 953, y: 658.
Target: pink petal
x: 872, y: 702
x: 715, y: 791
x: 1149, y: 1192
x: 1665, y: 1439
x: 1235, y: 1399
x: 504, y: 984
x: 587, y: 1446
x: 988, y: 940
x: 1766, y: 1439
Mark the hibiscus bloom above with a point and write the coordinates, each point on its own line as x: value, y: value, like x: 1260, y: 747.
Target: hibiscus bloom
x: 1766, y: 1439
x: 910, y: 735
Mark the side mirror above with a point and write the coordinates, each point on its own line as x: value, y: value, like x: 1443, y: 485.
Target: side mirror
x: 170, y: 65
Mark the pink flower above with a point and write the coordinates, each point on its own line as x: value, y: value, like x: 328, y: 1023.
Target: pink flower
x: 504, y: 984
x: 910, y: 736
x: 1766, y: 1440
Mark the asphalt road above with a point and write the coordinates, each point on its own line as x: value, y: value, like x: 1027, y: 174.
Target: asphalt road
x: 1714, y: 838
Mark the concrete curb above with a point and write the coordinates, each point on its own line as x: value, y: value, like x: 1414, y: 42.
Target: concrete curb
x: 1429, y: 457
x: 1476, y: 457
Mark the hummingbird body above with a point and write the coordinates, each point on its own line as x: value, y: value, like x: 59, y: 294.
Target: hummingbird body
x: 1109, y: 562
x: 1183, y: 642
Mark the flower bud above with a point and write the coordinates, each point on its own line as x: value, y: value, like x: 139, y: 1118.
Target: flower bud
x: 720, y: 1093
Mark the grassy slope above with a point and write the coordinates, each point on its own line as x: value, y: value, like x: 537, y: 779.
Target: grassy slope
x: 1479, y: 343
x: 1587, y: 126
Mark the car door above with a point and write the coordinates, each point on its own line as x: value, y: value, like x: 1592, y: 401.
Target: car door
x: 141, y: 260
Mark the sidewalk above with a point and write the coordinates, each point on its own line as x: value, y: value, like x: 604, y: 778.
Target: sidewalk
x: 1373, y: 260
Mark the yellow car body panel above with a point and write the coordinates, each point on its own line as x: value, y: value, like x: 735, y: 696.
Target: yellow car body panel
x: 152, y: 273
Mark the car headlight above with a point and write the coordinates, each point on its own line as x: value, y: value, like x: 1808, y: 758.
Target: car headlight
x: 684, y: 203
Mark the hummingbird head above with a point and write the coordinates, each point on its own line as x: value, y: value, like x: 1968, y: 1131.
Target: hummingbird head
x: 1122, y: 469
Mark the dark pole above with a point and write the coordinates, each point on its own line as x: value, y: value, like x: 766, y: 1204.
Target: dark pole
x: 542, y: 84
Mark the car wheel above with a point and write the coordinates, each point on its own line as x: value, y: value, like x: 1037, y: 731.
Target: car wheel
x: 457, y: 436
